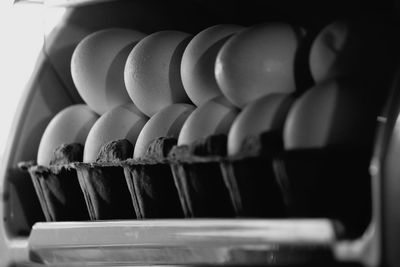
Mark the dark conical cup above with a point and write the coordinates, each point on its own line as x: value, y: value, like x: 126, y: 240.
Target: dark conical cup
x: 327, y: 183
x: 151, y: 183
x: 103, y: 183
x: 57, y: 186
x: 251, y: 179
x: 59, y: 194
x: 198, y: 177
x: 106, y: 192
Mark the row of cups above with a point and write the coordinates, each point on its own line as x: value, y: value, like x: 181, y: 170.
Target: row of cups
x: 199, y: 182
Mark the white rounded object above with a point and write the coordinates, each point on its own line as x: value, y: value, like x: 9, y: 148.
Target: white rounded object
x: 211, y: 118
x: 198, y: 60
x: 70, y: 125
x: 152, y: 72
x: 165, y: 123
x: 122, y: 122
x: 263, y: 115
x: 97, y: 67
x: 326, y: 50
x: 258, y: 61
x: 333, y: 113
x: 347, y: 47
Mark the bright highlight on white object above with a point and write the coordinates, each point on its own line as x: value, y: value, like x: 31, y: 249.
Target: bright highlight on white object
x: 71, y: 125
x: 198, y: 60
x: 267, y: 114
x: 152, y: 72
x: 165, y: 123
x: 258, y: 61
x: 335, y: 113
x: 97, y: 67
x: 122, y: 122
x: 213, y: 117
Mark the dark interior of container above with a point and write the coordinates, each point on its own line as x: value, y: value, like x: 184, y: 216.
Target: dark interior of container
x: 23, y: 209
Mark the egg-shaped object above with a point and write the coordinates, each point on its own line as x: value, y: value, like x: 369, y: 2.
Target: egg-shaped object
x: 122, y: 122
x: 352, y: 47
x: 211, y: 118
x: 258, y: 61
x: 152, y: 71
x: 70, y: 125
x: 97, y: 67
x: 197, y: 68
x: 165, y: 123
x: 333, y: 113
x: 266, y: 114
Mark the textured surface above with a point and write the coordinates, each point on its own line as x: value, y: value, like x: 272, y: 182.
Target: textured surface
x: 152, y: 72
